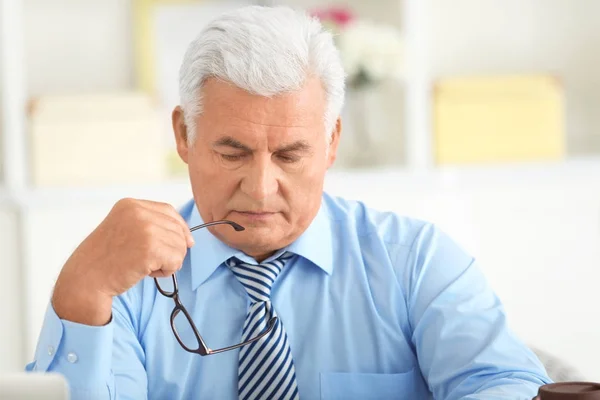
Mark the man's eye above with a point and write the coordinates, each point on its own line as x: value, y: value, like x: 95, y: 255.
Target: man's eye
x: 287, y: 158
x: 232, y: 157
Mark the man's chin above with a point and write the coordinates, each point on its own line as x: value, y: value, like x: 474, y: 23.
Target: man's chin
x: 253, y: 237
x: 254, y: 242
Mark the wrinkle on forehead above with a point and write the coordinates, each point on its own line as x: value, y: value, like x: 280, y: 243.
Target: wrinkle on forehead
x: 226, y: 103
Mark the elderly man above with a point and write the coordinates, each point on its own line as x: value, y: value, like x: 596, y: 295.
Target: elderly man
x: 292, y: 293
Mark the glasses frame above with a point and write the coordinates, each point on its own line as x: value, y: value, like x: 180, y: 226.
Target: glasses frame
x: 203, y: 349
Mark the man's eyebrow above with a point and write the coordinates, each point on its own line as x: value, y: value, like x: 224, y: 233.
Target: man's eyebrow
x: 228, y: 141
x: 300, y: 145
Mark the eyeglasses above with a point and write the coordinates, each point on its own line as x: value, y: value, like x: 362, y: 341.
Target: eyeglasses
x: 173, y: 293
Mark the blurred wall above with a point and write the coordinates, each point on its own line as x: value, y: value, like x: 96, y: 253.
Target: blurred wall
x: 1, y: 109
x: 12, y: 342
x: 12, y: 299
x: 74, y: 46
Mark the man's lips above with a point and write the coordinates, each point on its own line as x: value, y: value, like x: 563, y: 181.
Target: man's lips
x: 255, y: 215
x: 255, y: 212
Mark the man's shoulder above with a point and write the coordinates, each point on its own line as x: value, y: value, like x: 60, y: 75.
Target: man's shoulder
x: 400, y: 235
x: 363, y: 220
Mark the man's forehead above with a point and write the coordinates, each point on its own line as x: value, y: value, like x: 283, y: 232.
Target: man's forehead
x: 228, y: 97
x: 279, y: 122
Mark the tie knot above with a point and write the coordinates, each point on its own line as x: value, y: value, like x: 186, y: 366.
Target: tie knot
x: 258, y: 279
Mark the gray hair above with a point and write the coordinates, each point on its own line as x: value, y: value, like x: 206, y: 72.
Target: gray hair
x: 265, y: 51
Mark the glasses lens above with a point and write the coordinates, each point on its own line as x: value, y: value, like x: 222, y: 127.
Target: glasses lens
x: 184, y: 329
x: 166, y: 285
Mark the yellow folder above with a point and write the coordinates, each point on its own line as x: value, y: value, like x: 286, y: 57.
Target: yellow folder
x: 95, y: 139
x: 482, y: 119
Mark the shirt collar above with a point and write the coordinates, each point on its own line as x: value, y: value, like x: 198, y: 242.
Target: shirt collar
x: 209, y: 253
x: 315, y: 244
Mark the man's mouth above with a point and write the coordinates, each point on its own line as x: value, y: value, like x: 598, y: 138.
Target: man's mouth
x: 255, y: 215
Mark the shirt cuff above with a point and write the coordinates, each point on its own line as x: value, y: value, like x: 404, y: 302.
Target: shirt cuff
x: 82, y: 353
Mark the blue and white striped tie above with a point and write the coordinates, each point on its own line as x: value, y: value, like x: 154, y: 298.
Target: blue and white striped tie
x: 266, y: 369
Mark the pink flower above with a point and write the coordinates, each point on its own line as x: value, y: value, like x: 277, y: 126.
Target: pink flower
x: 339, y: 16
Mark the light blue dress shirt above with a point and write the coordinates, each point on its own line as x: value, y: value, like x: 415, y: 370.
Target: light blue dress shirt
x: 376, y: 306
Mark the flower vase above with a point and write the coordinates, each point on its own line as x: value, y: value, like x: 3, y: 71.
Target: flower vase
x: 363, y: 141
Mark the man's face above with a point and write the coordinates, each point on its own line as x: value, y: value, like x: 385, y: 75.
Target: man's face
x: 258, y: 161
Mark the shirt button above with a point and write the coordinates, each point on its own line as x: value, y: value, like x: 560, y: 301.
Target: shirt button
x: 72, y: 358
x: 50, y: 350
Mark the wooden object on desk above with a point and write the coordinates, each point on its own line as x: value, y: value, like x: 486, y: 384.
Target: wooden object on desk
x: 83, y: 140
x: 498, y: 119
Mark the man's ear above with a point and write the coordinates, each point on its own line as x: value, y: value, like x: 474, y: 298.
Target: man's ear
x: 181, y: 133
x: 334, y: 142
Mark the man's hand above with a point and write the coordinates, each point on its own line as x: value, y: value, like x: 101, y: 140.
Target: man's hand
x: 138, y: 238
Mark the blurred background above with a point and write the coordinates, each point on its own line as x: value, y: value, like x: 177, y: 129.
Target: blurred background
x: 478, y: 115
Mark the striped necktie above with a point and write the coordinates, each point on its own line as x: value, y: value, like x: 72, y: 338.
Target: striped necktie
x: 266, y: 369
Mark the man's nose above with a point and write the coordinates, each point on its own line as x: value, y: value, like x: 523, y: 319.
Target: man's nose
x: 260, y: 180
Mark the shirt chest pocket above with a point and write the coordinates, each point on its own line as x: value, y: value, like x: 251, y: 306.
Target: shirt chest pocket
x: 349, y: 386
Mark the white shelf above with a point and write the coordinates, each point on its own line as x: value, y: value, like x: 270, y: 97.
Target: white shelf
x: 481, y: 175
x: 337, y: 181
x: 72, y: 196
